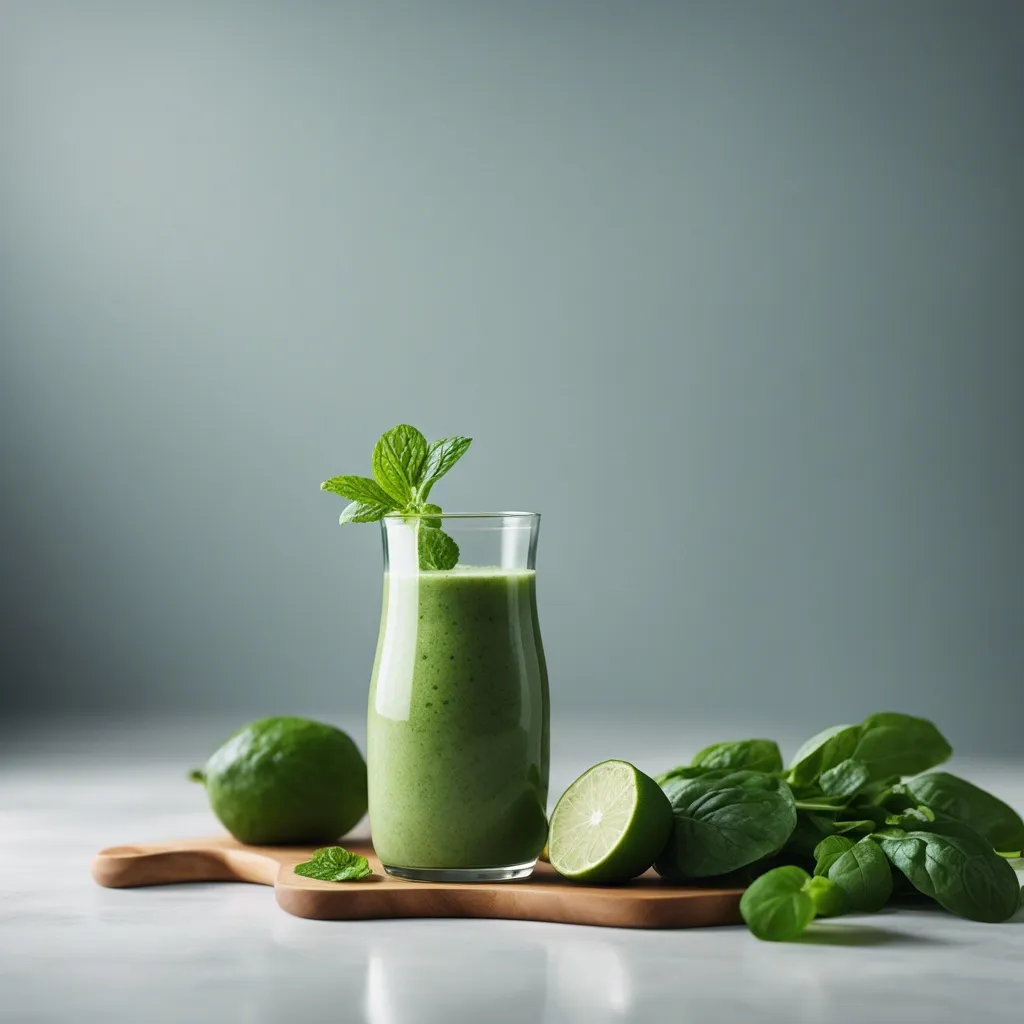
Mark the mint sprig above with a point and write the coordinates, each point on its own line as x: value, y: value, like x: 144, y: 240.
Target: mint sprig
x: 405, y: 469
x: 335, y: 864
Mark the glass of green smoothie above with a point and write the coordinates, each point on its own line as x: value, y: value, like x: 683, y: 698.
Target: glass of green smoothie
x: 457, y: 725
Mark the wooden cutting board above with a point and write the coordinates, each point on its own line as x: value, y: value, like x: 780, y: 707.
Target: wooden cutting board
x: 645, y: 902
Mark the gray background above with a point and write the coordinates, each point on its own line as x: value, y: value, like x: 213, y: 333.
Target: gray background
x: 731, y: 292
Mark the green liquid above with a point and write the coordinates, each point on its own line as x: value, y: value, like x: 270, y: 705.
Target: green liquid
x: 457, y: 730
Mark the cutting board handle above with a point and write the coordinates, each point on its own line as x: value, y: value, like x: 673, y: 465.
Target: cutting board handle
x: 120, y: 867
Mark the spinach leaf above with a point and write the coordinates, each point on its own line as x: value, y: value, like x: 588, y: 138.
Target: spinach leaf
x: 863, y: 873
x: 878, y: 791
x: 957, y: 798
x: 776, y: 907
x: 845, y: 779
x: 818, y: 802
x: 684, y: 771
x: 955, y: 866
x: 894, y: 744
x: 688, y: 779
x: 869, y: 812
x: 864, y: 825
x: 823, y: 751
x: 744, y: 876
x: 829, y: 899
x: 828, y: 851
x: 811, y: 829
x: 912, y: 817
x: 894, y: 800
x: 722, y: 822
x: 903, y: 890
x: 888, y: 744
x: 753, y: 755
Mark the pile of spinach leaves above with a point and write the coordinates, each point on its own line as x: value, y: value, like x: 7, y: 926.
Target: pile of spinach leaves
x: 822, y: 836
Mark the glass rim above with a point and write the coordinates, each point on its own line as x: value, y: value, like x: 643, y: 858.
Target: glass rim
x: 462, y: 515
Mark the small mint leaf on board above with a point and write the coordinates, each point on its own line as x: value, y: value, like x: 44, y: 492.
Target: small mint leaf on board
x: 335, y: 864
x: 399, y: 461
x: 362, y: 512
x: 441, y: 456
x: 436, y: 549
x: 359, y: 488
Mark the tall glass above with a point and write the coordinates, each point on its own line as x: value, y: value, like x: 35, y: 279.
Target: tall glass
x: 457, y: 725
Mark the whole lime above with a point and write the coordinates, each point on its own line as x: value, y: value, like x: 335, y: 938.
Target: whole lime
x: 286, y: 780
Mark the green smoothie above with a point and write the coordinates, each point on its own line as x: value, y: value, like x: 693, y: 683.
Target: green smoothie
x: 458, y: 721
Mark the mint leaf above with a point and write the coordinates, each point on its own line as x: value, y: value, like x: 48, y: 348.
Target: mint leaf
x: 441, y: 456
x: 431, y: 510
x: 436, y: 549
x: 359, y: 488
x: 335, y: 864
x: 363, y: 512
x: 399, y: 460
x: 370, y: 502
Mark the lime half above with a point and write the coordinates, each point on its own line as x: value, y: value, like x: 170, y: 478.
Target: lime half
x: 609, y: 825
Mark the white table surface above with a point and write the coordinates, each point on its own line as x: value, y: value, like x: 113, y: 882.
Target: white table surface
x: 71, y: 951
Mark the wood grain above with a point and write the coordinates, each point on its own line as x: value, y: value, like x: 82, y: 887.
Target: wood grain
x: 646, y: 902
